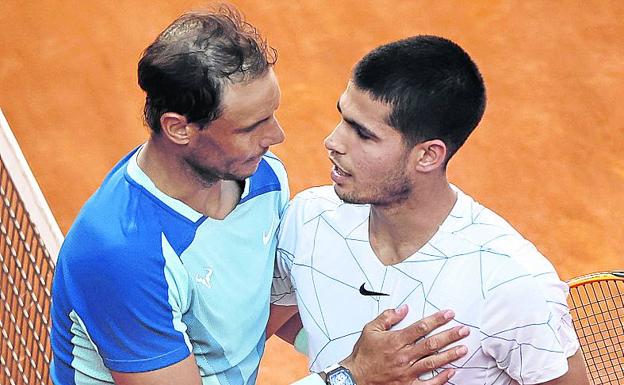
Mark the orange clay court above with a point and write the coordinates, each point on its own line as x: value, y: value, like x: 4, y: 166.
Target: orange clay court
x: 548, y: 155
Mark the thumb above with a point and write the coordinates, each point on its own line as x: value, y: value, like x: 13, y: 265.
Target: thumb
x: 390, y: 317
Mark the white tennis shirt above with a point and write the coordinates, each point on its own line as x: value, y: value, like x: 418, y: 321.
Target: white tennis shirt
x: 476, y: 264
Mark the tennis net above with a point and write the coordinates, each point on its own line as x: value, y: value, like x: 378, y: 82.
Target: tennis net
x: 29, y: 242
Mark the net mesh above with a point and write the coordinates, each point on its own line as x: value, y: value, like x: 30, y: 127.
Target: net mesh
x: 25, y: 284
x: 598, y: 311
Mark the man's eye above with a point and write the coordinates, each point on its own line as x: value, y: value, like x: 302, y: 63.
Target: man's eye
x: 260, y: 123
x: 362, y: 134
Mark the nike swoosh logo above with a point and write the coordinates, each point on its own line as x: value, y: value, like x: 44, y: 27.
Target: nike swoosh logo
x: 267, y: 236
x: 363, y: 291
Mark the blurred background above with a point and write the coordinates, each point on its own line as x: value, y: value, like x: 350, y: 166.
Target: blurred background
x: 548, y: 155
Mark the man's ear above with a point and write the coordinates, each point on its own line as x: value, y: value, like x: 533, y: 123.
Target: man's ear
x: 175, y: 127
x: 429, y: 155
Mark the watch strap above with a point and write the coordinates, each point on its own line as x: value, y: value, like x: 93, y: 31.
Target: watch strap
x: 327, y: 370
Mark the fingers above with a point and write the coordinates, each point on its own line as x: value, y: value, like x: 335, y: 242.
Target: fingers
x: 388, y: 319
x: 438, y: 379
x: 437, y: 360
x: 426, y: 355
x: 425, y: 326
x: 437, y: 342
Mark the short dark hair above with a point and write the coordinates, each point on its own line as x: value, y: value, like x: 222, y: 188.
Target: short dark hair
x: 435, y: 89
x: 185, y: 68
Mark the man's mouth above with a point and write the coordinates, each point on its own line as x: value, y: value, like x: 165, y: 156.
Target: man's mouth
x: 258, y: 157
x: 339, y: 170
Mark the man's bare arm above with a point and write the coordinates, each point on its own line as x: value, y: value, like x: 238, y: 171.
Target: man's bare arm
x: 278, y: 316
x: 576, y: 375
x: 288, y: 332
x: 184, y: 372
x: 399, y: 357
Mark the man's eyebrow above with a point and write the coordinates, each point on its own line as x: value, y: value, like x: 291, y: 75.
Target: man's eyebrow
x: 355, y: 124
x: 251, y: 127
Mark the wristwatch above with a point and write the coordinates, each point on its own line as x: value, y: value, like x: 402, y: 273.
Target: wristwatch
x: 338, y: 375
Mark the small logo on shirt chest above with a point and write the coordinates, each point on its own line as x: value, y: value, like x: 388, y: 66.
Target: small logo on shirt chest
x: 205, y: 279
x: 266, y: 237
x: 366, y: 292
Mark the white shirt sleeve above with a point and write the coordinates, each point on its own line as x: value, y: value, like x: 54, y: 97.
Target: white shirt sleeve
x: 520, y: 330
x: 312, y: 379
x: 555, y: 293
x: 283, y: 289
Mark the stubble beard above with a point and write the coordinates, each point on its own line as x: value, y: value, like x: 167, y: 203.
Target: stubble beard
x: 207, y: 176
x: 393, y: 190
x: 390, y: 189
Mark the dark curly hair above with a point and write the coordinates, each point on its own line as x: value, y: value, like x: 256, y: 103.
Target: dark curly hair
x: 185, y: 68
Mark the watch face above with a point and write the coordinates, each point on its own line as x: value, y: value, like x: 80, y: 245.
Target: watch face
x: 340, y: 376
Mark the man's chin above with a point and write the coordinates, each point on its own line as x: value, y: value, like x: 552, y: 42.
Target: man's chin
x: 238, y: 177
x: 242, y: 175
x: 346, y: 196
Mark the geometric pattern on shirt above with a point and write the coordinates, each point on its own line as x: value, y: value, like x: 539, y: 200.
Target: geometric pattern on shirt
x: 436, y: 257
